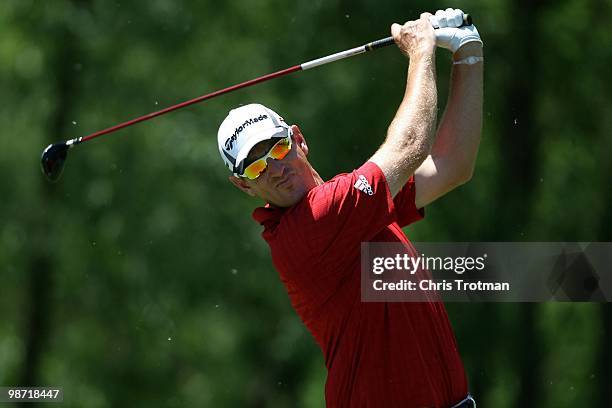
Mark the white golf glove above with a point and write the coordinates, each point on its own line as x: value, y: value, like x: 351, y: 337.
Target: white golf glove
x: 449, y: 33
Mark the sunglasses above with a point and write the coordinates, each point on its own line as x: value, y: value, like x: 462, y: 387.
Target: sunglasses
x: 277, y: 152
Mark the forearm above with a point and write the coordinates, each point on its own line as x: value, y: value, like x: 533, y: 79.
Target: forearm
x: 458, y: 135
x: 410, y: 134
x: 412, y: 127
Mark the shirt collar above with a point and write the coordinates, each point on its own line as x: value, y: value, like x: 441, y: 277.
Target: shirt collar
x: 267, y: 214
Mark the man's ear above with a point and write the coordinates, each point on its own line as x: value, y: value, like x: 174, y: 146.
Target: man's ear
x: 299, y: 139
x: 242, y: 184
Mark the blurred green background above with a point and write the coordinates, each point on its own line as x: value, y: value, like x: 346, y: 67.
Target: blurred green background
x: 140, y: 280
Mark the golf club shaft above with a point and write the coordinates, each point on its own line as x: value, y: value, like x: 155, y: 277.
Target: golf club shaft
x: 189, y: 102
x: 307, y: 65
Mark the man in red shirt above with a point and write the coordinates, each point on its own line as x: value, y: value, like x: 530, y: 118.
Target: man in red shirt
x: 378, y: 354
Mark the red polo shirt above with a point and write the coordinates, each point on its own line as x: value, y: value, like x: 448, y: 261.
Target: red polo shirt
x: 377, y: 354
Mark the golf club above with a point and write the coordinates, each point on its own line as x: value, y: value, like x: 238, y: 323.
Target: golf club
x: 54, y: 156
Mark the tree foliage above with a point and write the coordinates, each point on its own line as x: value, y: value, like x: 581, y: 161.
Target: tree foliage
x: 139, y: 279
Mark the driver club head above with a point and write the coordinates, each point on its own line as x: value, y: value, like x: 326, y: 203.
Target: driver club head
x: 52, y: 160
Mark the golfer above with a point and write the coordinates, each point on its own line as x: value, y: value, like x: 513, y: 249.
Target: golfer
x: 377, y: 354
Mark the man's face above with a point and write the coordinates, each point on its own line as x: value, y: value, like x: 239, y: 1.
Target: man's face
x: 284, y: 182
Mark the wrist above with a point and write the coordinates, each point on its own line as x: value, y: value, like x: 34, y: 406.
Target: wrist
x: 471, y: 60
x: 422, y: 56
x: 471, y: 49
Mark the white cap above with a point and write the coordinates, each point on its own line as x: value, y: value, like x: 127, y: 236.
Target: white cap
x: 243, y: 128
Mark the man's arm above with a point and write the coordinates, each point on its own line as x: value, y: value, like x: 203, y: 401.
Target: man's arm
x: 452, y: 159
x: 410, y: 135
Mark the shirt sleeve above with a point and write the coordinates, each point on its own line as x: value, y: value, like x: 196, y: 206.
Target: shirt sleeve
x: 405, y: 207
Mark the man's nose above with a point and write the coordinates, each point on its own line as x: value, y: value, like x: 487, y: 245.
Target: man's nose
x: 275, y: 167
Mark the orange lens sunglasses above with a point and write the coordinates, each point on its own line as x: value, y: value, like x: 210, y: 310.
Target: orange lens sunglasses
x: 277, y: 152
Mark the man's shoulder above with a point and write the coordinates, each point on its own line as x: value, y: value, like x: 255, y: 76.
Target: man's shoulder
x: 333, y: 193
x: 347, y: 198
x: 361, y: 180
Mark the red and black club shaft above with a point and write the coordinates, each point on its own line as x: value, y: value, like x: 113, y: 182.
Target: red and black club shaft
x: 54, y: 156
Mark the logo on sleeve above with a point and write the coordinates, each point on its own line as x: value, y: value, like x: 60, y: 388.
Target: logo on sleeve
x: 362, y: 185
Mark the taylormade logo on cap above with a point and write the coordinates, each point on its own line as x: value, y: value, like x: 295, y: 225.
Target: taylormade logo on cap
x: 243, y: 128
x: 229, y: 143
